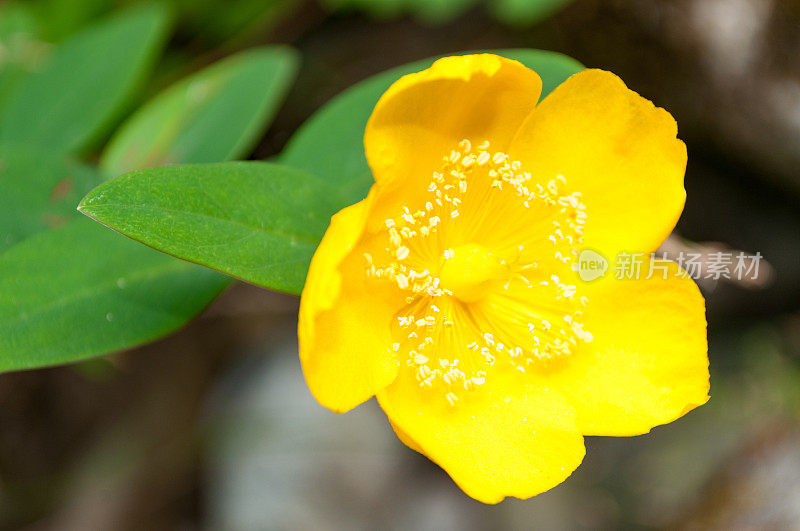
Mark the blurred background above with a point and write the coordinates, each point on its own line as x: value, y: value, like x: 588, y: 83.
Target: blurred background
x: 214, y: 428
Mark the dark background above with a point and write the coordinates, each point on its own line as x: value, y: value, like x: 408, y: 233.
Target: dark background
x: 214, y: 428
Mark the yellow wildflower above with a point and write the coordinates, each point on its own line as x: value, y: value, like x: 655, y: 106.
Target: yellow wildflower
x: 450, y: 292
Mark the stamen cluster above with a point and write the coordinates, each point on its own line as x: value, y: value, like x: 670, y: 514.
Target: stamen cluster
x: 531, y: 229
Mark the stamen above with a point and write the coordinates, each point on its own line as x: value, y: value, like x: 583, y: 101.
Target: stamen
x: 485, y: 202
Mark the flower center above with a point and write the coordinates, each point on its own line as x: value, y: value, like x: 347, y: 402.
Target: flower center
x: 482, y: 255
x: 469, y: 271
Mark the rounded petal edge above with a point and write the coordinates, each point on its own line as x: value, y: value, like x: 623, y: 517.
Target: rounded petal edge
x: 423, y: 116
x: 505, y: 440
x: 343, y: 328
x: 618, y: 150
x: 647, y: 363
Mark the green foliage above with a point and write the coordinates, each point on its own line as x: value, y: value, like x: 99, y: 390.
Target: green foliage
x: 74, y: 97
x: 261, y: 222
x: 21, y: 46
x: 38, y: 190
x: 440, y: 11
x: 82, y: 290
x: 238, y: 18
x: 217, y: 114
x: 512, y: 12
x: 330, y: 144
x: 256, y: 221
x: 62, y: 18
x: 15, y: 18
x: 381, y: 8
x: 430, y: 11
x: 71, y: 289
x: 525, y: 12
x: 79, y: 290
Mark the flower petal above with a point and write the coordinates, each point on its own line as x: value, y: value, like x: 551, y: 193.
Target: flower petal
x: 615, y: 148
x: 405, y: 439
x: 647, y: 363
x: 505, y: 438
x: 344, y: 320
x: 423, y: 116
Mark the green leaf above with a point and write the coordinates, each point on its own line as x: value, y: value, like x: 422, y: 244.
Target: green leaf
x: 15, y: 18
x: 216, y: 114
x: 428, y: 11
x: 440, y: 11
x: 525, y: 12
x: 512, y: 12
x: 238, y: 21
x: 381, y: 9
x: 38, y: 191
x: 256, y: 221
x: 82, y: 290
x: 21, y: 49
x: 330, y: 143
x: 61, y: 18
x: 86, y: 83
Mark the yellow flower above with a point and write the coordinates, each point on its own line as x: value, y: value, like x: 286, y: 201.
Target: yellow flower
x: 450, y: 291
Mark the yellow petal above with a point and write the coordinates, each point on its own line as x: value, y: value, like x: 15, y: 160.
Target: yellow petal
x: 345, y: 339
x: 509, y: 437
x: 615, y: 148
x: 405, y: 439
x: 423, y: 116
x: 647, y: 363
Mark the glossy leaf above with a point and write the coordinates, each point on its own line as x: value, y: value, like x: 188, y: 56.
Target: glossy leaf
x: 86, y: 82
x: 214, y: 115
x: 82, y: 290
x: 330, y: 143
x: 38, y: 191
x: 256, y: 221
